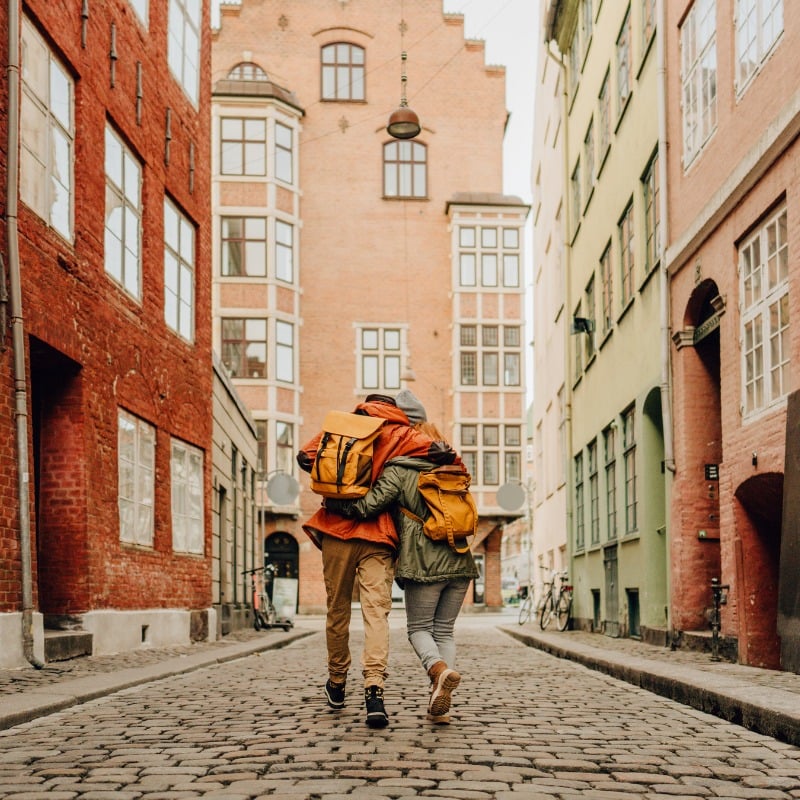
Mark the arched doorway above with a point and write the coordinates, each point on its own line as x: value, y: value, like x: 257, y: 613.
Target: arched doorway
x: 653, y: 586
x: 758, y: 524
x: 281, y: 550
x: 695, y: 527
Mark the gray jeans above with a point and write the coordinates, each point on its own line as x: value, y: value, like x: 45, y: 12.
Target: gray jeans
x: 431, y: 611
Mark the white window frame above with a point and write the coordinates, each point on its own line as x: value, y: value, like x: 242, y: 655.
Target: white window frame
x: 248, y: 145
x: 186, y: 474
x: 380, y: 354
x: 492, y: 356
x: 589, y: 161
x: 183, y: 45
x: 405, y: 170
x: 343, y: 72
x: 252, y: 327
x: 489, y: 256
x: 698, y: 44
x: 136, y: 464
x: 47, y: 106
x: 759, y: 25
x: 284, y: 446
x: 284, y: 251
x: 764, y: 292
x: 624, y: 66
x: 630, y: 467
x: 284, y: 153
x: 123, y: 219
x: 284, y: 351
x: 250, y: 241
x: 179, y: 271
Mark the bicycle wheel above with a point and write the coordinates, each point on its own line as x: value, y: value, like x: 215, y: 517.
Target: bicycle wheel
x: 546, y: 614
x: 525, y: 610
x: 563, y: 610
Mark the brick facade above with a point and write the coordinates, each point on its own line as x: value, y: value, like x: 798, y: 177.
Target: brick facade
x: 364, y: 258
x: 743, y: 175
x: 92, y: 349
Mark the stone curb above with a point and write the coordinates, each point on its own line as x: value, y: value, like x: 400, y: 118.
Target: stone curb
x: 31, y: 704
x: 769, y: 711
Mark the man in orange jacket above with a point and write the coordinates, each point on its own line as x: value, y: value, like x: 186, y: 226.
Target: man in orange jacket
x: 364, y: 551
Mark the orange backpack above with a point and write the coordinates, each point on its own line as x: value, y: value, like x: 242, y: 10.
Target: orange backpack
x: 453, y: 514
x: 342, y: 467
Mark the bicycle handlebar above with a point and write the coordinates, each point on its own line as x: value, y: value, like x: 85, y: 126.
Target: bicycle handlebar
x: 267, y: 568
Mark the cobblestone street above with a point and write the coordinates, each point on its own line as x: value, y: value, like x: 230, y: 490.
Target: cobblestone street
x: 526, y: 725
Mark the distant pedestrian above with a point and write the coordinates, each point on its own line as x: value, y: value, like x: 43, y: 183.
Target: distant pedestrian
x: 434, y: 576
x: 363, y: 553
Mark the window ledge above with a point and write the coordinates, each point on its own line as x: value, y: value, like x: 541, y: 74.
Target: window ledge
x: 649, y: 274
x: 625, y: 309
x: 622, y: 111
x: 403, y: 197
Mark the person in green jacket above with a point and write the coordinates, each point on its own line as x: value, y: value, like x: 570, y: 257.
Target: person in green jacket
x: 435, y: 577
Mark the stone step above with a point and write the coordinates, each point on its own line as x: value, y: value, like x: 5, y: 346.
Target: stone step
x: 63, y: 645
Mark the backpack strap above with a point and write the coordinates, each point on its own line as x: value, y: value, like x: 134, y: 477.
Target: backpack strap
x: 450, y: 539
x: 412, y: 515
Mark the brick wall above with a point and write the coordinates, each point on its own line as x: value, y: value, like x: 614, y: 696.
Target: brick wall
x: 93, y: 348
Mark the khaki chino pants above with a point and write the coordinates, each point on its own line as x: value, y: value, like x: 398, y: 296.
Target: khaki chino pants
x: 343, y: 563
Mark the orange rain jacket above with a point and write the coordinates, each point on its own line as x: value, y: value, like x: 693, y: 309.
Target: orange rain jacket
x: 396, y: 438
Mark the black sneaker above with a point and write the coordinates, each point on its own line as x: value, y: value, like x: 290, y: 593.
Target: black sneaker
x: 376, y: 713
x: 334, y: 692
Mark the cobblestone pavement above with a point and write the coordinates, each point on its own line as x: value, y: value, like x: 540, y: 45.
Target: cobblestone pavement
x: 16, y: 680
x: 526, y: 725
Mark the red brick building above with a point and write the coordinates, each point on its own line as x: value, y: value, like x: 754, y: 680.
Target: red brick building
x: 342, y: 256
x: 734, y: 191
x: 112, y: 333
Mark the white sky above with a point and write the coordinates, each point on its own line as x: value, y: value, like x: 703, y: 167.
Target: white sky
x: 510, y: 29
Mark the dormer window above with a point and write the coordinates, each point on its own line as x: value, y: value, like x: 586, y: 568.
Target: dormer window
x: 247, y: 71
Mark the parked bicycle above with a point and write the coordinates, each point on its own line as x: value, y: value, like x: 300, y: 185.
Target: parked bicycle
x: 526, y: 607
x: 264, y: 613
x: 556, y: 602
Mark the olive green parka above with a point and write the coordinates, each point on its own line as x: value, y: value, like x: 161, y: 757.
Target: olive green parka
x: 419, y: 559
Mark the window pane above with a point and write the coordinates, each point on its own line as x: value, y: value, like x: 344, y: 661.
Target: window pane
x: 391, y: 378
x: 511, y: 270
x: 489, y: 269
x: 510, y: 238
x: 369, y: 372
x: 467, y: 263
x: 469, y: 435
x: 490, y: 368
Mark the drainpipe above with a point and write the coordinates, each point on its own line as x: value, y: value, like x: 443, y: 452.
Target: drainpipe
x: 567, y: 266
x: 17, y: 333
x: 663, y: 280
x: 663, y: 237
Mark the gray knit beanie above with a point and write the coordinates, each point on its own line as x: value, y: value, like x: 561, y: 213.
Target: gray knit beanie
x: 414, y: 410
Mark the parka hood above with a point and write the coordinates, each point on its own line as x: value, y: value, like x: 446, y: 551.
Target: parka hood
x: 373, y: 408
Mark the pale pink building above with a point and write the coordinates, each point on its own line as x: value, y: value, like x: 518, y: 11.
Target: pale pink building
x: 369, y: 261
x: 733, y: 115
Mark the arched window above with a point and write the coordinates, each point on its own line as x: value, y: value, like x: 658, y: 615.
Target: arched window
x: 405, y: 169
x: 247, y: 71
x: 342, y: 71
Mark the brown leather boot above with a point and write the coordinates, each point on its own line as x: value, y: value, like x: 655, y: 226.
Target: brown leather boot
x: 443, y: 681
